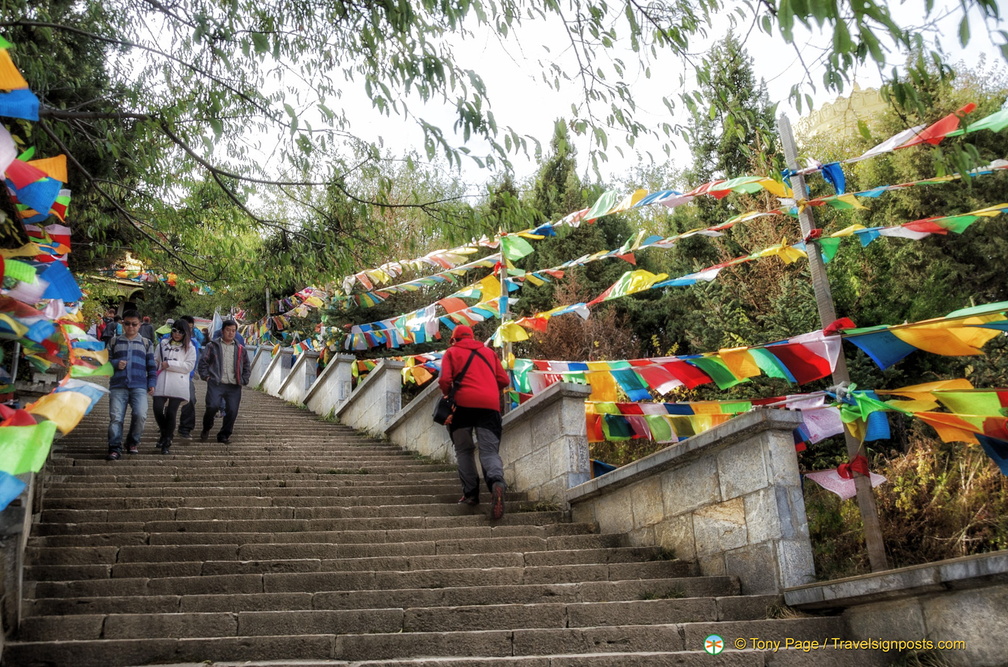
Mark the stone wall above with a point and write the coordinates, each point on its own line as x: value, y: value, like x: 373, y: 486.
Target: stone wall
x: 414, y: 429
x: 300, y: 378
x: 277, y: 371
x: 376, y: 400
x: 729, y: 499
x: 332, y: 387
x: 260, y: 360
x: 545, y: 445
x: 961, y: 599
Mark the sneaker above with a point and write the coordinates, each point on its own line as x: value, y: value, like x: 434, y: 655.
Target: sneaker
x: 204, y: 435
x: 185, y: 436
x: 166, y: 449
x: 132, y: 449
x: 224, y: 441
x: 497, y: 508
x: 113, y: 456
x: 468, y: 500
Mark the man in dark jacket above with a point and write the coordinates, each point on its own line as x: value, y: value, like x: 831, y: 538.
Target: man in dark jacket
x: 480, y: 379
x: 225, y: 367
x: 133, y: 376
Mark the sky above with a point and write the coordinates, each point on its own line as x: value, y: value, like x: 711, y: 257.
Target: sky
x: 519, y: 98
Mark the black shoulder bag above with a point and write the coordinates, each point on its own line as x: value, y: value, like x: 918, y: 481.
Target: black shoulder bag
x: 445, y: 407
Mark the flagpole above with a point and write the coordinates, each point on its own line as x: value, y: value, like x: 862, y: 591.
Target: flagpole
x: 827, y: 315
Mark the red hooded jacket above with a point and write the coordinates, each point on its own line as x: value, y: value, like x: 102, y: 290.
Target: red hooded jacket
x: 482, y: 383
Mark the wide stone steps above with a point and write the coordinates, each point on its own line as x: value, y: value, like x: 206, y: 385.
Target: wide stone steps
x: 394, y: 645
x: 381, y: 620
x: 301, y: 542
x: 723, y: 590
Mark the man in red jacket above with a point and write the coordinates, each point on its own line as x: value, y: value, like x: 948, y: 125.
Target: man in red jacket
x: 480, y: 379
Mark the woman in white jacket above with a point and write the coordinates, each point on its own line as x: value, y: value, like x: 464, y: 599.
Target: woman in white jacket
x: 175, y: 358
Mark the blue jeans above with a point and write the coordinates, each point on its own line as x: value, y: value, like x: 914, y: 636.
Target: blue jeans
x: 118, y: 399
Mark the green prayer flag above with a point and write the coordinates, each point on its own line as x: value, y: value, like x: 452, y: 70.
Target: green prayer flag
x: 661, y: 428
x: 19, y: 270
x: 86, y: 371
x: 25, y: 448
x: 515, y: 247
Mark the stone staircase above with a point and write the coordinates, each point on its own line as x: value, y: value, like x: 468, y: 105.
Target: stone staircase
x: 302, y: 542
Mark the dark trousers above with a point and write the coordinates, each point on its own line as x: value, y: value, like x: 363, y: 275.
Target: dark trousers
x: 187, y: 415
x: 231, y: 395
x: 165, y: 410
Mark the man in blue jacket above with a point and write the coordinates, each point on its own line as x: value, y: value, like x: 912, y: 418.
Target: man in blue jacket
x: 134, y: 374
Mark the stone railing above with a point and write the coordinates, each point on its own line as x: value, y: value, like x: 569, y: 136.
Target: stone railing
x: 260, y: 357
x: 729, y: 499
x: 332, y: 387
x: 958, y: 600
x: 376, y: 399
x: 277, y: 371
x: 302, y: 375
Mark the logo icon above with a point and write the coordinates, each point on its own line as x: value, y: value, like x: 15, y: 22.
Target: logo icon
x: 713, y: 644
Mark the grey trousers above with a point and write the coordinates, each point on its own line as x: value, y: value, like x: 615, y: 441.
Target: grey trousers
x: 490, y: 460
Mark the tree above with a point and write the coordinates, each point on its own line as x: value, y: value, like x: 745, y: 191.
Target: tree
x: 172, y: 90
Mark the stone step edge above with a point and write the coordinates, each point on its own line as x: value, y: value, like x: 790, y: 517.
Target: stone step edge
x: 490, y: 608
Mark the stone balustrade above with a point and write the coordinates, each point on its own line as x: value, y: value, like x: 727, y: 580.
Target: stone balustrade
x: 260, y: 358
x: 332, y: 386
x: 299, y: 380
x: 377, y: 398
x: 729, y: 499
x: 277, y: 371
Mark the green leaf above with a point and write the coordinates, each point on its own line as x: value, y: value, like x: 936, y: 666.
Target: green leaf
x: 261, y: 42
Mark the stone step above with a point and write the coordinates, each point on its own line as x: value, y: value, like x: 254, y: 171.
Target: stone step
x: 187, y: 578
x: 70, y: 556
x: 55, y: 497
x: 102, y: 534
x: 489, y: 616
x: 724, y: 590
x: 673, y: 638
x: 443, y: 496
x: 356, y: 506
x: 211, y: 566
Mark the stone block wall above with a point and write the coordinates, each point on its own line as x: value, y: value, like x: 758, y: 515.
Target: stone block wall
x: 332, y: 387
x: 376, y: 400
x: 729, y: 499
x: 415, y: 430
x: 956, y: 600
x: 277, y: 371
x: 302, y: 375
x: 544, y: 446
x: 260, y: 360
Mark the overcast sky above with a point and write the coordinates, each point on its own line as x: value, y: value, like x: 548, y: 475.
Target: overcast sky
x: 520, y: 99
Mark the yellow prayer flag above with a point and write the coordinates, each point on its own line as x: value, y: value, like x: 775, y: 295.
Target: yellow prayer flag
x: 847, y: 231
x: 918, y: 391
x: 55, y: 167
x: 947, y: 341
x: 513, y: 332
x: 603, y: 386
x: 10, y: 76
x: 776, y: 188
x: 740, y: 362
x: 65, y: 408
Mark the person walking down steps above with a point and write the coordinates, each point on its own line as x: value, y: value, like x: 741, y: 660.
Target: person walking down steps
x: 479, y: 379
x: 175, y: 358
x: 225, y: 367
x: 133, y: 377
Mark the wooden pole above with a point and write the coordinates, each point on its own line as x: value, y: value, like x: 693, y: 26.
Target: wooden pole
x: 827, y: 315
